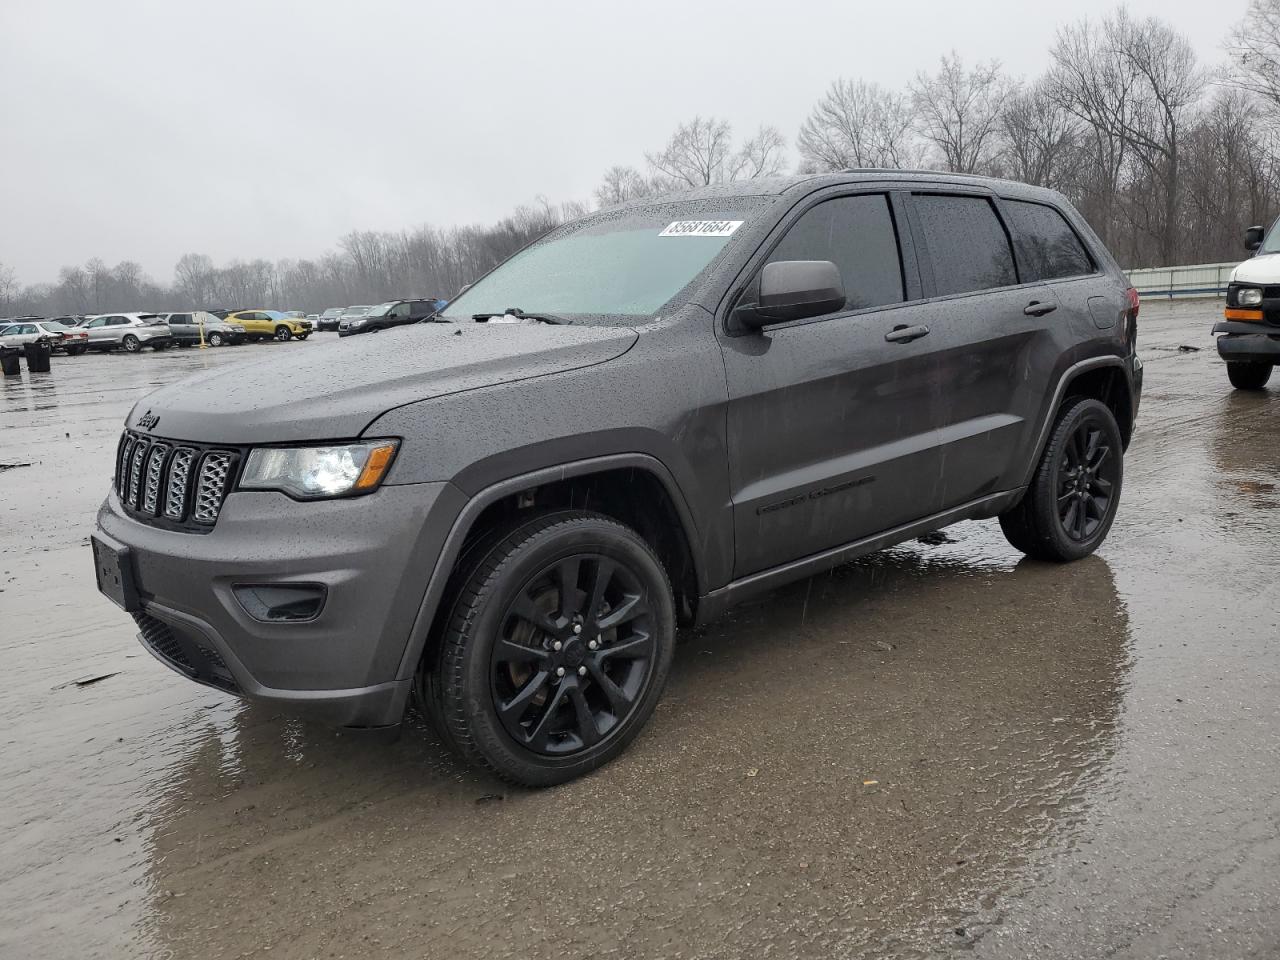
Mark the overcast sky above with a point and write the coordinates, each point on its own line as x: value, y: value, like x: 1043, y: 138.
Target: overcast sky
x: 145, y: 129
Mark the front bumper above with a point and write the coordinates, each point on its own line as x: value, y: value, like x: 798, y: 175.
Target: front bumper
x: 373, y: 554
x: 1248, y: 340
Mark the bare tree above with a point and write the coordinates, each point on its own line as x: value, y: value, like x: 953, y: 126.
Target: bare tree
x: 193, y: 279
x: 621, y: 183
x: 763, y: 155
x: 959, y: 112
x: 859, y: 124
x: 1254, y: 49
x: 1039, y: 137
x: 697, y: 154
x: 8, y: 287
x: 1135, y: 83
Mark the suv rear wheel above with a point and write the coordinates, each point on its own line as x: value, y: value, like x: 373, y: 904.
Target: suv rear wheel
x: 556, y: 649
x: 1071, y: 502
x: 1248, y: 375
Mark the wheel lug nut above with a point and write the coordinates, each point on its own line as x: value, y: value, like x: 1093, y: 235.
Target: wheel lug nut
x: 592, y: 645
x: 582, y: 671
x: 559, y: 671
x: 557, y: 645
x: 577, y: 628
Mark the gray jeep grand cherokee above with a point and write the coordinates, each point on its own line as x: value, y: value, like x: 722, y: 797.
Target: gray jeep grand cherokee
x: 644, y: 417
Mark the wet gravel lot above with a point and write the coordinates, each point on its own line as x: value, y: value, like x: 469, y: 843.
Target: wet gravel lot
x: 940, y: 748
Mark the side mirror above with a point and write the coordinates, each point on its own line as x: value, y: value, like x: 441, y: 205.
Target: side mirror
x: 1253, y: 238
x: 794, y: 290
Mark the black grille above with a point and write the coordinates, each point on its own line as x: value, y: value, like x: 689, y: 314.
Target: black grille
x: 186, y: 653
x: 159, y: 637
x: 169, y: 483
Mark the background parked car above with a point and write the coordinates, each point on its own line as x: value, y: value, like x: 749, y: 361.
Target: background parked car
x: 329, y: 319
x: 269, y: 325
x: 128, y: 331
x: 60, y: 336
x: 185, y: 328
x: 393, y: 313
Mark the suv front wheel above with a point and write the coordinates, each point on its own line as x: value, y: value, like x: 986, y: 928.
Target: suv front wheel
x: 556, y: 648
x: 1071, y: 502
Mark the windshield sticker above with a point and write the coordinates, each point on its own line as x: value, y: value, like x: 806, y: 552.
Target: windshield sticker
x: 701, y: 228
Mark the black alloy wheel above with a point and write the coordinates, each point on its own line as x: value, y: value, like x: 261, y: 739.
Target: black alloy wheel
x: 573, y: 654
x: 1073, y: 496
x: 554, y: 648
x: 1087, y: 480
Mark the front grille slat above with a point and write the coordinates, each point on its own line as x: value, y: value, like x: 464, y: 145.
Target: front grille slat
x: 155, y: 468
x: 172, y: 484
x: 133, y: 491
x: 175, y: 499
x: 211, y: 486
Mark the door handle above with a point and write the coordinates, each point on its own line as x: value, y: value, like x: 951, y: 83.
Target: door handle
x: 1037, y: 308
x: 904, y: 334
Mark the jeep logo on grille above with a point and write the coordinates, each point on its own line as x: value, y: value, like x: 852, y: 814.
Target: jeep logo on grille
x: 148, y: 420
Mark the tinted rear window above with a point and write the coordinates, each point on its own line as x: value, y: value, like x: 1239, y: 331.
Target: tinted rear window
x: 967, y: 245
x: 857, y: 235
x: 1047, y: 246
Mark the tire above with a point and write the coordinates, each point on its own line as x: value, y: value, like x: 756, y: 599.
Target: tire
x: 303, y: 336
x: 131, y: 343
x: 76, y: 351
x: 511, y: 625
x: 215, y: 339
x: 1248, y: 374
x: 283, y: 334
x: 1066, y: 514
x: 158, y: 347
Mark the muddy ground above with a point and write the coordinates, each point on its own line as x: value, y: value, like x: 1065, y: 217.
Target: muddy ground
x: 940, y: 748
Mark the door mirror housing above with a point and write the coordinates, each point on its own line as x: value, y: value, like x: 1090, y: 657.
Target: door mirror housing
x: 794, y: 290
x: 1253, y: 238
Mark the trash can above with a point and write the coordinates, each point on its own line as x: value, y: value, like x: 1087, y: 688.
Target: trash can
x: 38, y: 354
x: 11, y: 360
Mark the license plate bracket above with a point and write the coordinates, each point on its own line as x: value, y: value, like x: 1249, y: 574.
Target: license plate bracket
x: 113, y: 567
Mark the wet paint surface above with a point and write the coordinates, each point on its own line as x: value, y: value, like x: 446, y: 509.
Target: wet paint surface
x: 942, y: 747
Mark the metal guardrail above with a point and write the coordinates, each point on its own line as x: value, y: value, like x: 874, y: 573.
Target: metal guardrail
x: 1196, y: 280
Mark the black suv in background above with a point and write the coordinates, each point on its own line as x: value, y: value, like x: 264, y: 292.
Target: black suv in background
x: 393, y: 313
x: 646, y: 416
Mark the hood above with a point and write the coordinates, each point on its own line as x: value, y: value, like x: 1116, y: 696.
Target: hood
x: 1264, y: 268
x: 332, y: 391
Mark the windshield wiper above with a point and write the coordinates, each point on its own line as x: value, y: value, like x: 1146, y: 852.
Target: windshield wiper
x: 521, y: 315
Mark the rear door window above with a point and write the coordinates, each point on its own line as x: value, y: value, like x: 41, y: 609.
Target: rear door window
x: 857, y: 235
x: 1048, y: 249
x: 967, y: 245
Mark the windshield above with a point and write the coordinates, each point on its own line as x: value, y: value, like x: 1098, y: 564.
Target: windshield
x: 355, y: 311
x: 626, y: 264
x: 380, y: 309
x: 55, y: 325
x: 275, y: 314
x: 1271, y: 244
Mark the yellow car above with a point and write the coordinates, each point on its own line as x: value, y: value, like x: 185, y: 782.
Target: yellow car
x: 269, y: 325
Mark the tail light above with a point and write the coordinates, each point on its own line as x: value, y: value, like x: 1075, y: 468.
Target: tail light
x: 1131, y: 316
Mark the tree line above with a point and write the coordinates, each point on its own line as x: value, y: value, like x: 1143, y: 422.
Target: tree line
x: 1167, y: 158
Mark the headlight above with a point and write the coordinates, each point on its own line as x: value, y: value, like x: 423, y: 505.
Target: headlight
x: 1249, y: 296
x: 357, y: 323
x: 237, y: 329
x: 313, y: 473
